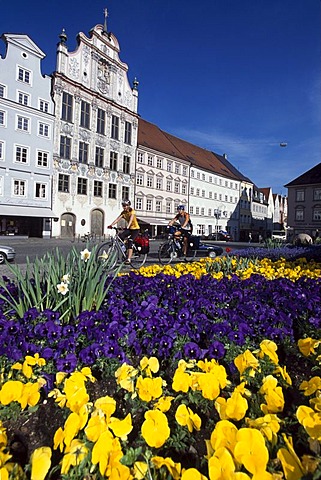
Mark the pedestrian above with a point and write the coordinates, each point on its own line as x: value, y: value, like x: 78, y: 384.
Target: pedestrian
x: 250, y: 237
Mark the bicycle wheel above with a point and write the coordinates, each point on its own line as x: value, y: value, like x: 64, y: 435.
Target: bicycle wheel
x: 138, y: 259
x: 107, y: 255
x: 191, y: 254
x: 166, y: 253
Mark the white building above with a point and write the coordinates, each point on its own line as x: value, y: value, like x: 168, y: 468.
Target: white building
x: 26, y: 140
x: 95, y: 134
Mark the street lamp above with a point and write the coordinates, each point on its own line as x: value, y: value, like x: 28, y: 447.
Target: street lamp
x: 217, y: 215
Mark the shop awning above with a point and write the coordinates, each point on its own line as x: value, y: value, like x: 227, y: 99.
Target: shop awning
x: 19, y: 211
x: 153, y: 220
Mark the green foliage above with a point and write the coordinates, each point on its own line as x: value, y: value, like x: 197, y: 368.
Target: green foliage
x: 85, y: 284
x: 230, y: 264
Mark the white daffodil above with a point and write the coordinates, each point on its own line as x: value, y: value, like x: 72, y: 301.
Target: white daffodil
x: 62, y: 288
x: 66, y: 278
x: 85, y: 254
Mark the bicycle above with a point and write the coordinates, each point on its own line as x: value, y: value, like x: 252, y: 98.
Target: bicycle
x: 173, y: 247
x: 114, y: 252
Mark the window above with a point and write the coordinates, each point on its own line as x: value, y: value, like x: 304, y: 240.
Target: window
x: 210, y: 194
x: 2, y: 91
x: 43, y: 130
x: 203, y: 177
x: 41, y: 190
x: 317, y: 213
x: 317, y: 194
x: 140, y: 157
x: 101, y: 121
x: 177, y: 169
x: 65, y: 147
x: 184, y: 170
x: 2, y: 118
x: 63, y: 183
x: 149, y: 204
x: 169, y: 186
x: 98, y: 188
x: 150, y: 161
x: 139, y: 203
x: 128, y: 133
x: 169, y: 166
x: 192, y: 173
x: 198, y: 175
x: 197, y: 210
x: 43, y: 106
x: 198, y: 192
x: 82, y: 186
x: 24, y: 75
x: 192, y: 190
x: 176, y: 187
x: 184, y: 189
x: 23, y: 123
x: 1, y: 150
x: 299, y: 195
x: 19, y: 188
x: 125, y: 193
x: 83, y: 152
x: 139, y: 179
x: 85, y: 114
x: 209, y: 212
x: 1, y: 185
x: 126, y: 164
x: 159, y: 183
x: 191, y: 210
x: 159, y: 163
x: 21, y: 154
x: 67, y: 107
x: 299, y: 214
x: 158, y: 206
x: 149, y: 181
x: 168, y: 207
x: 115, y: 127
x: 113, y: 162
x: 42, y: 159
x: 112, y: 188
x: 99, y: 157
x: 23, y: 98
x: 203, y: 193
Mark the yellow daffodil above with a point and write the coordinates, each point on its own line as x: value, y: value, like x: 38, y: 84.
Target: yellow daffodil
x: 291, y: 464
x: 173, y: 468
x: 40, y: 463
x: 273, y: 396
x: 74, y: 455
x: 221, y: 465
x: 85, y: 254
x: 311, y: 386
x: 11, y: 391
x: 246, y: 361
x: 155, y: 429
x: 164, y: 403
x: 307, y: 346
x: 186, y: 417
x: 149, y: 388
x: 149, y: 365
x: 125, y: 377
x: 250, y: 450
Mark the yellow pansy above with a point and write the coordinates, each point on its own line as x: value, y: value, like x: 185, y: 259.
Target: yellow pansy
x: 149, y: 388
x: 140, y: 470
x: 95, y: 427
x: 40, y: 463
x: 220, y: 405
x: 250, y: 450
x: 308, y: 346
x: 35, y: 360
x: 186, y: 417
x: 107, y: 453
x: 221, y: 465
x: 192, y: 474
x: 282, y: 371
x: 269, y: 425
x: 310, y: 420
x: 106, y: 404
x: 182, y: 381
x: 291, y: 464
x: 3, y: 436
x: 155, y: 429
x: 150, y: 365
x: 11, y: 392
x: 209, y: 384
x: 74, y: 455
x: 224, y: 435
x: 273, y: 396
x: 125, y: 377
x: 269, y: 348
x: 71, y: 428
x: 59, y: 439
x: 121, y: 428
x: 30, y: 395
x: 86, y: 371
x: 173, y: 468
x: 311, y: 386
x: 246, y: 361
x: 164, y: 403
x: 236, y: 406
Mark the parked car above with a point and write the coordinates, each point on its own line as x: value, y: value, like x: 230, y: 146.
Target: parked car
x: 222, y: 235
x: 7, y: 253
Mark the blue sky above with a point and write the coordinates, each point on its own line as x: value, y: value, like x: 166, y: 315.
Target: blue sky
x: 235, y: 77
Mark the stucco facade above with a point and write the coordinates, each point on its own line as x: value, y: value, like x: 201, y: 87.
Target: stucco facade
x: 26, y: 140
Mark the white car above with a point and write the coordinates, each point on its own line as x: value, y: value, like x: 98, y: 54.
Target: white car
x: 6, y: 253
x: 279, y: 235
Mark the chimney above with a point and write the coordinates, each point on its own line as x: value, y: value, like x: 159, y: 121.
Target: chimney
x: 225, y: 156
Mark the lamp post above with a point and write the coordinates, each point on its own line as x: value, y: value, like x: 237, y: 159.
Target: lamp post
x: 217, y: 215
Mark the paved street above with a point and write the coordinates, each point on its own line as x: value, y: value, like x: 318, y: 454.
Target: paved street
x: 37, y: 247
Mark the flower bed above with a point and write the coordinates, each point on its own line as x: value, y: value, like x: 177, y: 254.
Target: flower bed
x: 210, y: 365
